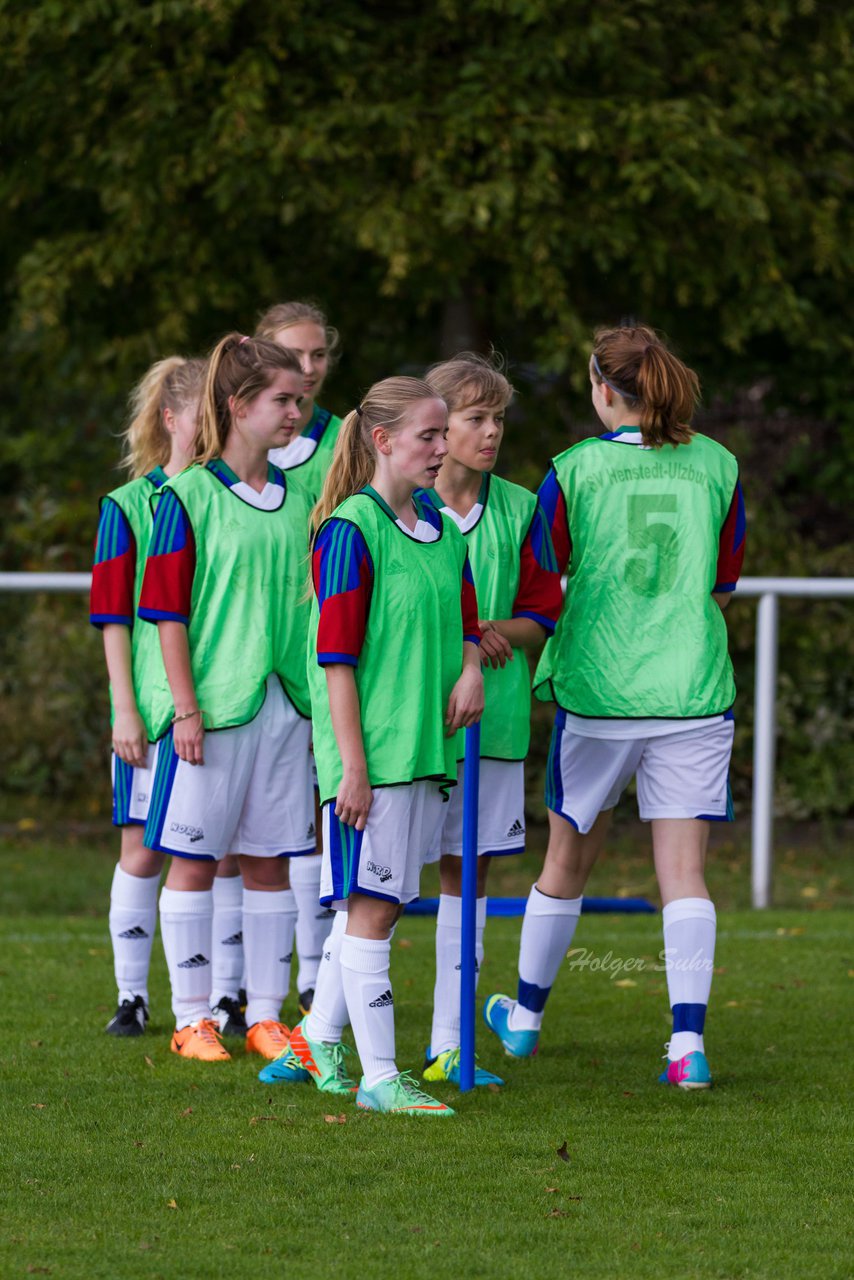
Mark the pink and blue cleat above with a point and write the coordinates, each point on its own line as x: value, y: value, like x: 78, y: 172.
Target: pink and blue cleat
x: 690, y: 1072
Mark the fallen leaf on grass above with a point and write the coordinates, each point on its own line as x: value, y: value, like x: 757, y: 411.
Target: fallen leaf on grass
x: 627, y: 1093
x: 575, y: 1197
x: 551, y: 1190
x: 342, y: 1119
x: 36, y: 1044
x: 139, y: 1144
x: 143, y: 1244
x: 416, y: 1230
x: 625, y: 982
x: 557, y: 1213
x: 38, y: 1106
x: 148, y: 1061
x: 172, y: 1204
x: 563, y: 1153
x: 733, y: 1004
x: 404, y: 943
x: 261, y: 1119
x: 188, y: 1111
x: 493, y: 1087
x: 38, y: 1271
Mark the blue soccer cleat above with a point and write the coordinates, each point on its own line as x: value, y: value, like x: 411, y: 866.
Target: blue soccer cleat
x: 496, y: 1015
x: 286, y: 1069
x: 445, y: 1068
x: 690, y: 1072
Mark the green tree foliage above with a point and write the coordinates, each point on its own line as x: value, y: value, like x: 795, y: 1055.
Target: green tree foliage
x: 437, y: 175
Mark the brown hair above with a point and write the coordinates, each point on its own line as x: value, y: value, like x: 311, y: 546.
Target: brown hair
x: 636, y: 364
x: 285, y: 314
x: 355, y: 458
x: 173, y: 383
x: 469, y: 378
x: 237, y: 367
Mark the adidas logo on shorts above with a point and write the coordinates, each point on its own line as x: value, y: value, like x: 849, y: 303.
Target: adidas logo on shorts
x: 236, y: 940
x: 136, y: 932
x: 383, y: 1001
x: 286, y: 959
x: 195, y: 962
x: 382, y: 873
x: 516, y: 830
x: 311, y: 831
x: 181, y: 829
x: 142, y: 797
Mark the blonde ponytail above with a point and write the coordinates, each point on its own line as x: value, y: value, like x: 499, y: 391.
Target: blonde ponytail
x: 354, y: 460
x: 238, y: 368
x: 173, y: 383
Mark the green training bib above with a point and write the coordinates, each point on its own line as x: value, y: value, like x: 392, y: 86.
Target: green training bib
x: 640, y: 634
x: 249, y: 612
x: 134, y: 501
x: 411, y: 658
x: 494, y: 546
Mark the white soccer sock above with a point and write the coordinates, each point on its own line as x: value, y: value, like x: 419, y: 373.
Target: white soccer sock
x: 445, y: 1033
x: 185, y: 927
x: 328, y: 1014
x: 313, y: 920
x: 370, y: 1003
x: 227, y: 935
x: 133, y: 919
x: 269, y: 918
x: 547, y: 931
x: 689, y: 925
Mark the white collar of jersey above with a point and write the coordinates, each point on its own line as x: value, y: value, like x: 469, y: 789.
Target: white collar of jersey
x: 270, y: 498
x: 293, y: 454
x: 626, y: 436
x: 468, y: 521
x: 423, y: 531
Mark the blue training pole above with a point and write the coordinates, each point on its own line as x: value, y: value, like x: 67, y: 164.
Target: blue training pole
x: 471, y: 786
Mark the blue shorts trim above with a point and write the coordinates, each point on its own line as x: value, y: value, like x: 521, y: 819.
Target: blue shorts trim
x: 122, y: 792
x: 164, y: 777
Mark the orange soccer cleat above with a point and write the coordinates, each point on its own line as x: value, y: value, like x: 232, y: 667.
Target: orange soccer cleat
x: 268, y: 1038
x: 200, y: 1040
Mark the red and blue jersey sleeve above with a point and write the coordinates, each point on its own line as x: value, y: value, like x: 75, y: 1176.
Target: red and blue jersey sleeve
x: 539, y: 596
x: 114, y: 571
x: 731, y: 546
x: 167, y: 587
x: 468, y: 602
x: 553, y: 503
x: 343, y: 576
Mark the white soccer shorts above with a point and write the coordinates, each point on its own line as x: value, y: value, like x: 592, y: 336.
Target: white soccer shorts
x: 500, y: 812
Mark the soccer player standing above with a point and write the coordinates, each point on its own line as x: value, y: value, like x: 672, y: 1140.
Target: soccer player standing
x: 159, y: 443
x: 225, y: 584
x: 394, y: 669
x: 649, y: 520
x: 519, y: 599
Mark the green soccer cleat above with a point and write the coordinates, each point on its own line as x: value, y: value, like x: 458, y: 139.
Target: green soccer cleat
x: 445, y: 1068
x: 400, y: 1096
x: 323, y: 1062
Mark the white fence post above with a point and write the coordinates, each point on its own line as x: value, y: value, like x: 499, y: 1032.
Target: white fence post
x: 764, y: 747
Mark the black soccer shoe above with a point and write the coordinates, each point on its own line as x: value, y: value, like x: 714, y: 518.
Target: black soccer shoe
x: 129, y: 1019
x: 305, y: 999
x: 228, y: 1016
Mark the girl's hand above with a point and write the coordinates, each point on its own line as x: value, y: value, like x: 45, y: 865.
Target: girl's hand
x: 189, y: 737
x: 495, y: 650
x: 354, y: 799
x: 130, y: 741
x: 465, y: 705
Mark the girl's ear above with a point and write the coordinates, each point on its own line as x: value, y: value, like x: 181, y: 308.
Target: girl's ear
x: 381, y: 440
x: 169, y: 421
x: 231, y: 403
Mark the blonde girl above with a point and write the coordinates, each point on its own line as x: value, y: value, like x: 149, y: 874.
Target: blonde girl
x: 159, y: 444
x: 224, y: 583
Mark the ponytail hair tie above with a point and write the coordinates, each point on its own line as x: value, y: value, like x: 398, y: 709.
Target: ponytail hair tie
x: 242, y: 340
x: 359, y: 410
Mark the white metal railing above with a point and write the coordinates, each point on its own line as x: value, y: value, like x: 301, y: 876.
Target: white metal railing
x: 768, y: 591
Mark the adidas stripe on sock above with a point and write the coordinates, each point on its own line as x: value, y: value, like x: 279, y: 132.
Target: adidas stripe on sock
x: 370, y: 1004
x: 133, y: 919
x: 185, y: 926
x: 547, y: 932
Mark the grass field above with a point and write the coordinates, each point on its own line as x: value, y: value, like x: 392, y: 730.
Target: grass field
x: 120, y: 1160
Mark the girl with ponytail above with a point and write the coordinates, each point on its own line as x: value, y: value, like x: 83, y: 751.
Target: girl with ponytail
x: 394, y: 670
x: 302, y: 328
x: 224, y: 585
x: 648, y: 521
x: 159, y: 443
